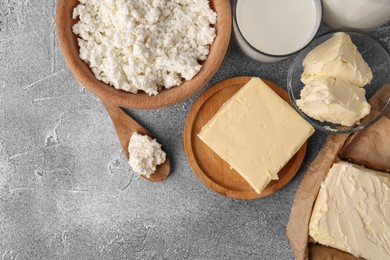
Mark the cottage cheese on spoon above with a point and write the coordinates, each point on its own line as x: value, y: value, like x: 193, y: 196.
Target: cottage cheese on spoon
x: 145, y: 154
x: 144, y: 45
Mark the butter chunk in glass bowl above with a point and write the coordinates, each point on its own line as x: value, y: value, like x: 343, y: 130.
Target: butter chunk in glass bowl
x: 332, y: 80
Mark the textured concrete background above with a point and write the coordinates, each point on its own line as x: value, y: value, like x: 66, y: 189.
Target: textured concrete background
x: 66, y: 190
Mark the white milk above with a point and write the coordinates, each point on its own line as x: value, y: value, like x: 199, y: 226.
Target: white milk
x: 278, y: 27
x: 356, y: 14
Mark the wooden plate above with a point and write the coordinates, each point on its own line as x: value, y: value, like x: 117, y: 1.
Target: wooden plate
x: 207, y: 165
x: 70, y: 50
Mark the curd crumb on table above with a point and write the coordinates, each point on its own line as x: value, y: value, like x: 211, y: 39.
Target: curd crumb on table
x: 145, y: 154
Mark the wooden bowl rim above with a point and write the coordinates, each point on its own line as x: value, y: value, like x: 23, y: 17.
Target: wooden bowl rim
x: 141, y: 100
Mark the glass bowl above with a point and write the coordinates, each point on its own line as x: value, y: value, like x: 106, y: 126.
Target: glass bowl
x: 377, y: 58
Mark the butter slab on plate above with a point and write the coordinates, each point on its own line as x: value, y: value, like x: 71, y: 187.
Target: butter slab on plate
x: 248, y: 142
x: 256, y: 132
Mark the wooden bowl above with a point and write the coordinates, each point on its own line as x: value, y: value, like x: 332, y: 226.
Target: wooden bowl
x: 70, y: 49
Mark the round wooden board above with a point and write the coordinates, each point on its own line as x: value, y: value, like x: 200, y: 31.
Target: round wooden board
x: 207, y: 165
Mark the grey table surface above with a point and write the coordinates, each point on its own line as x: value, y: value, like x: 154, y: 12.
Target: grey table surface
x: 66, y: 189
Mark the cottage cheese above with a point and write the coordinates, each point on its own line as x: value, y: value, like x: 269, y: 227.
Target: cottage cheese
x: 144, y: 44
x: 145, y: 154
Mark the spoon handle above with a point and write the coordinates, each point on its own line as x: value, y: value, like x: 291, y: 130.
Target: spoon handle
x: 124, y: 125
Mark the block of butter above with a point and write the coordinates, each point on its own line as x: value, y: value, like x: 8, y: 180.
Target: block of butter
x: 352, y: 212
x: 256, y: 132
x: 334, y: 74
x: 338, y: 58
x: 334, y: 100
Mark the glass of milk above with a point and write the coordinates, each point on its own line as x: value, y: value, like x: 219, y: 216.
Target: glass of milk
x: 356, y: 14
x: 272, y: 30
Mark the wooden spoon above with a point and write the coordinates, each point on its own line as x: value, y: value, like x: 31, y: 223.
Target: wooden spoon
x: 125, y: 126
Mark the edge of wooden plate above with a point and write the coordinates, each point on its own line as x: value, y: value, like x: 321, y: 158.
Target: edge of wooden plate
x: 70, y: 50
x: 291, y: 167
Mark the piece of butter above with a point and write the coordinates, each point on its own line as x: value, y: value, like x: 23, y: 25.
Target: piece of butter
x: 334, y: 100
x: 352, y: 212
x: 338, y: 58
x: 256, y: 132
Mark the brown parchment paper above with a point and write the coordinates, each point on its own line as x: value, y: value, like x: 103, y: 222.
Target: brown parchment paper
x: 370, y: 148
